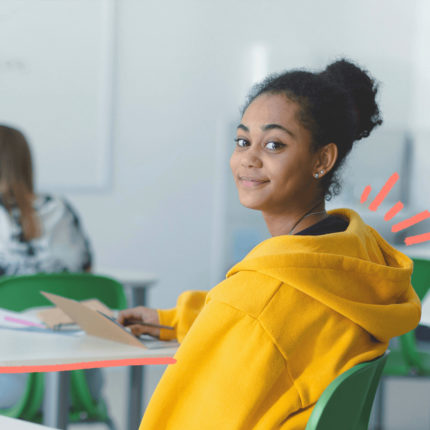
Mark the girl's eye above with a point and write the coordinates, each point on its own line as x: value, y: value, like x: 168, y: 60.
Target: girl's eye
x: 241, y: 143
x: 273, y: 146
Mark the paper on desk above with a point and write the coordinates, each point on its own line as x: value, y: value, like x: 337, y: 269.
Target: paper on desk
x: 93, y: 322
x: 425, y: 311
x: 56, y: 317
x: 154, y: 343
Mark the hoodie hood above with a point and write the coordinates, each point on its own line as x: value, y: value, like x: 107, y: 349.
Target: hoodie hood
x: 355, y: 272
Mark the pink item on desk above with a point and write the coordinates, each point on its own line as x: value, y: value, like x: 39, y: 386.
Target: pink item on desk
x: 23, y: 322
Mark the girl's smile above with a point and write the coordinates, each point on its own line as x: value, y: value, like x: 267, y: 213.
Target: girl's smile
x: 250, y: 182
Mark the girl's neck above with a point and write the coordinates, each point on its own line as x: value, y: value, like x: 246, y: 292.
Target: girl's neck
x: 293, y: 222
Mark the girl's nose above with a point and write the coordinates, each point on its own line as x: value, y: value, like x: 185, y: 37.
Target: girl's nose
x: 251, y: 159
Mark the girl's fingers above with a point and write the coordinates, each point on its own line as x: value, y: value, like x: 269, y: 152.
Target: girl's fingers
x: 138, y: 329
x: 134, y: 313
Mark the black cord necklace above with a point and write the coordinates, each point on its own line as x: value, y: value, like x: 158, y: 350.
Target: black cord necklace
x: 309, y: 213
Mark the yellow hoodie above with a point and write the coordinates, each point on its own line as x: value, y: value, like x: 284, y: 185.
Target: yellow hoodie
x: 258, y: 349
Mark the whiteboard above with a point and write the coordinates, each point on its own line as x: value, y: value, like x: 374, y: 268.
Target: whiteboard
x: 56, y: 80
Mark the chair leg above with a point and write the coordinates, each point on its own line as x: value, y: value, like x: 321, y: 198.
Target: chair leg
x: 111, y: 425
x: 379, y: 413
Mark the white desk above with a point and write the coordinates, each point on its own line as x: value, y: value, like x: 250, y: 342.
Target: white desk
x: 22, y: 351
x: 13, y: 424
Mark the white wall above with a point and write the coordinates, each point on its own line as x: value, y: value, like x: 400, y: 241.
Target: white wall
x: 183, y: 69
x: 420, y: 112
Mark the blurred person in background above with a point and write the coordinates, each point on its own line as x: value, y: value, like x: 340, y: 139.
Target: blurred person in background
x: 324, y: 293
x: 38, y: 233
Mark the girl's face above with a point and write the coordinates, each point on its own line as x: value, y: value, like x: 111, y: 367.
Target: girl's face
x: 273, y: 164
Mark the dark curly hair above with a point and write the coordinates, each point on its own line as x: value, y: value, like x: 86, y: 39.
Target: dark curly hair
x: 336, y: 105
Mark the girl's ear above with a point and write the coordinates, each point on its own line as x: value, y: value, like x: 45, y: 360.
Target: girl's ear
x: 326, y: 158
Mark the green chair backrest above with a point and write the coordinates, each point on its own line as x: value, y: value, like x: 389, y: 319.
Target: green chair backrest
x: 421, y: 282
x: 19, y: 293
x: 347, y: 402
x: 421, y: 276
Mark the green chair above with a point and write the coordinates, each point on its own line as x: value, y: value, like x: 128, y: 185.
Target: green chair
x: 347, y: 402
x: 29, y: 404
x: 19, y: 293
x: 417, y: 360
x: 406, y: 359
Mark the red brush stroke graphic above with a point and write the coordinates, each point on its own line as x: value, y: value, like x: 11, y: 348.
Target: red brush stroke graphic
x: 410, y: 221
x: 393, y: 211
x: 384, y: 191
x: 88, y: 365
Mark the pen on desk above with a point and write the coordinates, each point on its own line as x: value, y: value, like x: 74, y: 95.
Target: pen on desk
x: 137, y: 322
x: 69, y: 325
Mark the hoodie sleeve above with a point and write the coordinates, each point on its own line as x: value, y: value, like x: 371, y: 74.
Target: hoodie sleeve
x: 188, y: 306
x: 228, y: 375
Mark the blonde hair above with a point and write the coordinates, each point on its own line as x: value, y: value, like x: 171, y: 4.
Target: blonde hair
x: 16, y: 179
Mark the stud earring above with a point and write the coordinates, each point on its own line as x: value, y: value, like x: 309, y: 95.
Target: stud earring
x: 316, y: 175
x: 322, y: 172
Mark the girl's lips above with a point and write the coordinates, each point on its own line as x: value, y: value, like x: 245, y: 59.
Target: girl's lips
x: 250, y: 182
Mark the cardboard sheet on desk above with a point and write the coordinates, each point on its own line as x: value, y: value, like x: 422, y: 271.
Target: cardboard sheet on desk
x: 56, y: 316
x: 93, y: 322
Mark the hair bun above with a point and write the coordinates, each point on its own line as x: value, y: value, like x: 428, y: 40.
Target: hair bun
x: 362, y: 90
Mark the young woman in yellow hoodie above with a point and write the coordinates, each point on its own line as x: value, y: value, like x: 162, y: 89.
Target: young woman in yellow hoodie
x: 324, y: 293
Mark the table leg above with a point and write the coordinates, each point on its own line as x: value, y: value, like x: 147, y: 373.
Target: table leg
x: 135, y: 397
x: 138, y: 297
x: 136, y: 373
x: 56, y: 401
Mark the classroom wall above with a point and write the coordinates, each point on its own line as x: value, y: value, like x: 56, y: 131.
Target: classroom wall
x: 181, y: 71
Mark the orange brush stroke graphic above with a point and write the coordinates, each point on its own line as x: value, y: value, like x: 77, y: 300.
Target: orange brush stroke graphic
x: 365, y: 193
x: 419, y: 238
x: 393, y: 211
x: 384, y: 191
x: 410, y: 240
x: 410, y: 221
x: 88, y: 365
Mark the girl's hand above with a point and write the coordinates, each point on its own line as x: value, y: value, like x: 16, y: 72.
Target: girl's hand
x: 143, y: 314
